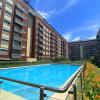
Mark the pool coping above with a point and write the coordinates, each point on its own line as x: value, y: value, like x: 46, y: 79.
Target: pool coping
x: 36, y: 65
x: 63, y: 95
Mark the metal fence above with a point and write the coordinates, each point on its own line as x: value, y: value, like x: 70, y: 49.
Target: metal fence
x: 73, y: 90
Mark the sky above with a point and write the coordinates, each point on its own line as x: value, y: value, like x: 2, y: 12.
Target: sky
x: 74, y: 19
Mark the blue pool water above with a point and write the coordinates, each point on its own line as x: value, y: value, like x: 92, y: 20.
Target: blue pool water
x: 52, y: 75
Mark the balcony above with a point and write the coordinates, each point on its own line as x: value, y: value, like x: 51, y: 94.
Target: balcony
x: 18, y: 13
x: 41, y: 46
x: 40, y: 51
x: 17, y: 38
x: 0, y: 4
x: 5, y: 37
x: 18, y: 21
x: 17, y: 47
x: 7, y: 18
x: 15, y: 55
x: 8, y: 9
x: 10, y: 2
x: 6, y: 27
x: 4, y: 45
x: 17, y: 30
x: 21, y: 8
x: 40, y: 39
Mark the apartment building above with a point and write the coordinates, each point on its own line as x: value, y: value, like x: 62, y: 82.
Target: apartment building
x: 26, y: 35
x: 97, y: 57
x: 81, y: 50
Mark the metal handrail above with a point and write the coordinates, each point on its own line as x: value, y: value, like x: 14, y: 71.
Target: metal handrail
x: 42, y: 87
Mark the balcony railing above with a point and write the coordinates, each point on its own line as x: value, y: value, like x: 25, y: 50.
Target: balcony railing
x: 8, y: 9
x: 7, y: 18
x: 20, y: 15
x: 0, y: 4
x: 15, y: 55
x: 20, y: 7
x: 17, y: 47
x: 70, y: 89
x: 17, y: 30
x: 6, y: 27
x: 17, y: 38
x: 18, y: 21
x: 10, y: 2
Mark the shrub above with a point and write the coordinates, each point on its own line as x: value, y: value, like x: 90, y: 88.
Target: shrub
x: 91, y: 82
x: 60, y: 58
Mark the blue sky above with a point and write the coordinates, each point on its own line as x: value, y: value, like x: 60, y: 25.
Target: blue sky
x: 73, y: 19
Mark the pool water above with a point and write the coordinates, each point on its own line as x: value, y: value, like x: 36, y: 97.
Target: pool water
x: 51, y: 75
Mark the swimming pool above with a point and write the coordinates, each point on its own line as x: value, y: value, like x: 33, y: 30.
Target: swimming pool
x: 51, y: 75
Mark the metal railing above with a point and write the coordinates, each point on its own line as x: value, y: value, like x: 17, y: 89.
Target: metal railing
x: 52, y: 89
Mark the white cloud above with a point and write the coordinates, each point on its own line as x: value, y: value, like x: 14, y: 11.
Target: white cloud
x: 94, y: 28
x: 93, y: 37
x: 44, y: 14
x: 76, y: 39
x: 68, y: 36
x: 68, y: 5
x: 47, y: 14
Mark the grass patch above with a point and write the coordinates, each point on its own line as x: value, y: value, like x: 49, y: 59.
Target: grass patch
x: 91, y: 82
x: 7, y: 64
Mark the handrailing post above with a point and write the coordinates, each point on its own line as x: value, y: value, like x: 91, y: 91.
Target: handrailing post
x: 75, y: 92
x: 42, y: 93
x: 81, y: 78
x: 0, y: 85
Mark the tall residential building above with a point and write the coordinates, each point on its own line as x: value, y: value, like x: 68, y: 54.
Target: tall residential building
x: 82, y: 49
x: 98, y: 47
x: 26, y: 35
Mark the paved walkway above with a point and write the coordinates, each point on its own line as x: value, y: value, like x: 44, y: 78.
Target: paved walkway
x: 4, y: 95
